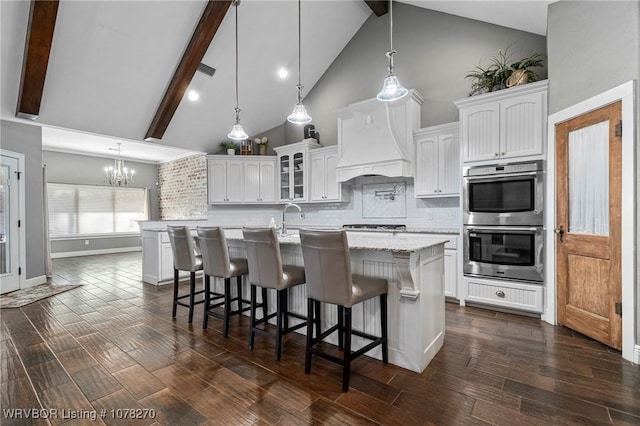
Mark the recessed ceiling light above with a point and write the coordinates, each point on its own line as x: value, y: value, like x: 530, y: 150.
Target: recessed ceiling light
x: 283, y: 73
x: 193, y: 95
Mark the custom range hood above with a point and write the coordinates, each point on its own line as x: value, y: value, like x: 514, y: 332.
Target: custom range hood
x: 376, y: 138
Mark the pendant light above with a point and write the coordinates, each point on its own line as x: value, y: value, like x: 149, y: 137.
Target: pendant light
x: 391, y: 87
x: 237, y: 133
x: 299, y: 114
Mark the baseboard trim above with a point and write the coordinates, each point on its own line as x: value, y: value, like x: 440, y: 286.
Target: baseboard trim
x: 636, y: 354
x: 32, y: 282
x: 94, y: 252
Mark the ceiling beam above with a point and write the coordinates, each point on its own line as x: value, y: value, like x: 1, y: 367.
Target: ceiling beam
x: 202, y: 36
x: 42, y: 22
x: 379, y: 7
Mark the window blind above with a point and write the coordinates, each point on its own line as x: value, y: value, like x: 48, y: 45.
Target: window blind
x: 91, y: 210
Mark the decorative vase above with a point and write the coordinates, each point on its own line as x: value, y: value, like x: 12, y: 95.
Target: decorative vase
x: 517, y: 78
x: 231, y: 151
x: 262, y: 149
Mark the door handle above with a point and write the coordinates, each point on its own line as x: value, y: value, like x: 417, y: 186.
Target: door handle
x: 560, y: 232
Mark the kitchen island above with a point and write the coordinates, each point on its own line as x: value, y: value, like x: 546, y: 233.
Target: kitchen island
x: 413, y: 265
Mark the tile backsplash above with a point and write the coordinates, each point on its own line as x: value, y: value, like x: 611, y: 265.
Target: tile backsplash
x: 364, y: 207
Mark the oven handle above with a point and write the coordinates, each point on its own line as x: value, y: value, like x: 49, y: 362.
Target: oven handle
x: 500, y: 177
x: 503, y: 228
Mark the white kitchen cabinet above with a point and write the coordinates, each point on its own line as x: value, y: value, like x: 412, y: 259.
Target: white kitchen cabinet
x: 224, y: 180
x: 243, y: 179
x: 452, y: 259
x: 157, y: 258
x: 437, y: 161
x: 293, y: 170
x: 502, y: 125
x: 259, y: 181
x: 507, y: 294
x: 451, y: 273
x: 324, y: 183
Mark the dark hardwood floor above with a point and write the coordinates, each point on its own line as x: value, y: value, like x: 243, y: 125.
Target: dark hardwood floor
x: 112, y: 345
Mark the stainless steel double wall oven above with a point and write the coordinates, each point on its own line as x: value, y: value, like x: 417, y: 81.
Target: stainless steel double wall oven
x: 503, y: 221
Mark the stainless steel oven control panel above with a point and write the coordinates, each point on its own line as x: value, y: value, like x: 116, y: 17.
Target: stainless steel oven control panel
x: 501, y: 169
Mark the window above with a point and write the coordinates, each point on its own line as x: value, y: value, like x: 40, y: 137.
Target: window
x: 76, y: 210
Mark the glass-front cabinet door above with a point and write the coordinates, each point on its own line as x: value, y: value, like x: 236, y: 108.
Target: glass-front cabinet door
x: 298, y: 176
x: 294, y: 171
x: 285, y: 177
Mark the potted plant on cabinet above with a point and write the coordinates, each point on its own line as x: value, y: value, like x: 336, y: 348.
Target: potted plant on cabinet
x: 229, y: 146
x: 500, y: 74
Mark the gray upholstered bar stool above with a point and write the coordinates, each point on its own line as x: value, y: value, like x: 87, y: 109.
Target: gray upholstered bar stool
x: 329, y: 280
x: 186, y: 257
x: 267, y: 271
x: 217, y: 264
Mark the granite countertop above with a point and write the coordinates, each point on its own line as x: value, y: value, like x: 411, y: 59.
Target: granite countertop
x: 394, y: 243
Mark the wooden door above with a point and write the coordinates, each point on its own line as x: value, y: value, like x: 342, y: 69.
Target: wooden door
x: 589, y: 176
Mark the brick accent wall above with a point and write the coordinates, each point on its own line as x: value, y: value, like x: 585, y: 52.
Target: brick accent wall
x: 182, y: 188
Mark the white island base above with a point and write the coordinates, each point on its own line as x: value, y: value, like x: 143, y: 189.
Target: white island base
x: 415, y: 301
x: 413, y: 264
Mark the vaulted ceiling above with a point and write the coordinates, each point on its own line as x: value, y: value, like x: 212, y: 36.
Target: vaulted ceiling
x: 111, y: 63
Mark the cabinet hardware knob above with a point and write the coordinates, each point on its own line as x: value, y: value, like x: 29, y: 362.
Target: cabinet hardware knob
x: 496, y: 155
x: 500, y: 293
x: 502, y: 153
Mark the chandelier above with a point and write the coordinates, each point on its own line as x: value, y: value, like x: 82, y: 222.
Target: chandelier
x: 118, y: 174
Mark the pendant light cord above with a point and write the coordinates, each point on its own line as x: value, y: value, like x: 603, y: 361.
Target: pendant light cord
x: 237, y: 109
x: 299, y: 53
x: 391, y: 52
x: 391, y: 25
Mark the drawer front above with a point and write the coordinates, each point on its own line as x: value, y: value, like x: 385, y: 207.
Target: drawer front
x: 526, y: 297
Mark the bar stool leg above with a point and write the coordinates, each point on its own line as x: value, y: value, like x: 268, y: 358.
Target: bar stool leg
x: 252, y: 315
x: 279, y: 315
x: 310, y: 320
x: 265, y: 303
x: 383, y: 323
x: 318, y: 318
x: 227, y: 306
x: 207, y: 301
x: 175, y: 292
x: 285, y: 308
x: 340, y: 327
x: 346, y: 368
x: 192, y: 295
x: 239, y: 288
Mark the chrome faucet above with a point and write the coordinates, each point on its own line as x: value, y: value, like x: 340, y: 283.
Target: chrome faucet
x: 283, y: 229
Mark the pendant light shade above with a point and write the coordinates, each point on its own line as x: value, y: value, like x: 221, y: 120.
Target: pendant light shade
x: 237, y: 133
x: 299, y: 114
x: 391, y: 87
